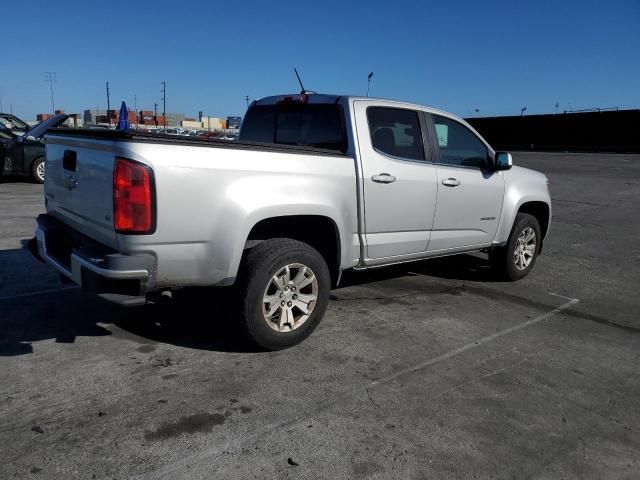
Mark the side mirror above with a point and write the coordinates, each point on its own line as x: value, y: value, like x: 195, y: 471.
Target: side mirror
x: 503, y: 161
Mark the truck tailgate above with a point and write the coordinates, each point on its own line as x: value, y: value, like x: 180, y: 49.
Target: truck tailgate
x: 79, y: 185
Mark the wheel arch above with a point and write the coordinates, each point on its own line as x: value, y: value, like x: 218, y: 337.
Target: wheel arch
x: 319, y: 231
x: 541, y: 211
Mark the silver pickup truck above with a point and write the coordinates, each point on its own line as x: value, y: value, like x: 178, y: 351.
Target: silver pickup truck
x: 317, y: 184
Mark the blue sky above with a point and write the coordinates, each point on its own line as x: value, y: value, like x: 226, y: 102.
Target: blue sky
x: 495, y: 56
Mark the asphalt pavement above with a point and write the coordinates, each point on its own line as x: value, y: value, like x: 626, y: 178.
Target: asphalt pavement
x: 431, y: 370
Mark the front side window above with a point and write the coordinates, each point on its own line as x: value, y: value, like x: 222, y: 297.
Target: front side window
x: 396, y: 132
x: 458, y: 145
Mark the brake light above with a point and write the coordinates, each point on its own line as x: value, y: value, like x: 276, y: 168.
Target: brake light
x: 301, y: 98
x: 133, y: 197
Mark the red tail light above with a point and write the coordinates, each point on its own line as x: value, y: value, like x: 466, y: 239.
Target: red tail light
x: 133, y: 197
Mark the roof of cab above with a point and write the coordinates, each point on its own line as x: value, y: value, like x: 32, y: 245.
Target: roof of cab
x: 322, y: 98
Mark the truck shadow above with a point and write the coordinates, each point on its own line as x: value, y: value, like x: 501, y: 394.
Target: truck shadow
x: 203, y: 319
x: 66, y: 314
x: 15, y: 179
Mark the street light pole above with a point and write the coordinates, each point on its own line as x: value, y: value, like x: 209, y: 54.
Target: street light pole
x: 164, y: 103
x: 369, y: 77
x: 246, y: 97
x: 135, y: 108
x: 108, y: 105
x: 522, y: 111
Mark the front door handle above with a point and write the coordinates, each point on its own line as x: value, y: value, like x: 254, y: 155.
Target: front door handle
x: 383, y: 178
x: 451, y: 182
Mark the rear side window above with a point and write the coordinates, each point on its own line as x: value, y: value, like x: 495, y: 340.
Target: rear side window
x: 309, y: 125
x: 396, y: 132
x: 458, y: 145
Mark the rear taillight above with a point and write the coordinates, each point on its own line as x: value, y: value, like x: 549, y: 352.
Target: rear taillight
x: 133, y: 197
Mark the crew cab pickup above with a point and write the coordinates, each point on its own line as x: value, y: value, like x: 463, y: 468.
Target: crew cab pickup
x: 315, y: 185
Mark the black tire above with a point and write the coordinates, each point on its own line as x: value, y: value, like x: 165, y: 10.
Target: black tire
x: 503, y: 259
x: 258, y: 267
x: 34, y: 170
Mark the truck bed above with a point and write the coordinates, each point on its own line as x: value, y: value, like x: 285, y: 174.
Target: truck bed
x: 135, y: 136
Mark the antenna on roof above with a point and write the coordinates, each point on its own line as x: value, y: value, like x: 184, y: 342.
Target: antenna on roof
x: 302, y: 89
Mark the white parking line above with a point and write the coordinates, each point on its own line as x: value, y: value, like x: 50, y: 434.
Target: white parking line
x: 39, y: 292
x: 169, y: 471
x: 477, y: 343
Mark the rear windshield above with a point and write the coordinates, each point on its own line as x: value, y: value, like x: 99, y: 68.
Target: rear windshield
x: 319, y: 125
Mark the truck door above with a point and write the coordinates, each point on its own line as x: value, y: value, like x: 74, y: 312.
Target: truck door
x: 470, y: 193
x: 399, y: 181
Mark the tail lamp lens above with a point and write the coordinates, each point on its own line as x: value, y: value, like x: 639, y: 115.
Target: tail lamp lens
x: 133, y: 200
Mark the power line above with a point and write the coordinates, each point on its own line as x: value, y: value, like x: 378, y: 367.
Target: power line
x: 108, y: 105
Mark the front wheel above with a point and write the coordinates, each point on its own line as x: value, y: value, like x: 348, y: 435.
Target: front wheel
x: 516, y: 259
x: 37, y: 170
x: 284, y: 289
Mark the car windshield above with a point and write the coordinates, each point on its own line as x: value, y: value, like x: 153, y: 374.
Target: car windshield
x: 312, y: 125
x: 13, y: 123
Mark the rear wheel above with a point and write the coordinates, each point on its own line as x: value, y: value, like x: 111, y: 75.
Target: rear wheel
x: 284, y: 290
x: 516, y: 259
x: 38, y: 170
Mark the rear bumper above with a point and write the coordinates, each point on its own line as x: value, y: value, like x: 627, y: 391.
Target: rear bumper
x: 122, y: 279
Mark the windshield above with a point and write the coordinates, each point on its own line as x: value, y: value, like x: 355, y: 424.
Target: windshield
x: 13, y: 123
x: 311, y: 125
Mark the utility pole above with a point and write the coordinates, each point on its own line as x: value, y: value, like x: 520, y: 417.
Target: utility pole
x: 164, y: 103
x: 108, y: 105
x: 246, y: 97
x: 50, y: 77
x: 135, y: 108
x: 155, y: 113
x: 1, y: 109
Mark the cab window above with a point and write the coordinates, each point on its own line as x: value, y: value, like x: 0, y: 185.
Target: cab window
x: 396, y: 132
x: 458, y: 145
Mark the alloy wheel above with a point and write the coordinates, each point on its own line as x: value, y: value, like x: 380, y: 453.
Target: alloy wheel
x: 525, y: 248
x: 290, y: 297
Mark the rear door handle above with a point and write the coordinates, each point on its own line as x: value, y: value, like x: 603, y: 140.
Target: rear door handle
x: 451, y: 182
x: 383, y: 178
